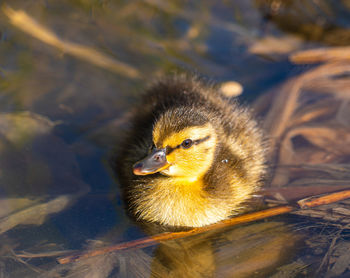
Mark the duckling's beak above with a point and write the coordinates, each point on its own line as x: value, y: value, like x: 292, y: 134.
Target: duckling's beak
x: 153, y: 163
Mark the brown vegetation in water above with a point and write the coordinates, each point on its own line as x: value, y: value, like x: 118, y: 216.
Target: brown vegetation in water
x: 308, y: 121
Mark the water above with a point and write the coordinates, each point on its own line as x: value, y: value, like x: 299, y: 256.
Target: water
x: 63, y: 103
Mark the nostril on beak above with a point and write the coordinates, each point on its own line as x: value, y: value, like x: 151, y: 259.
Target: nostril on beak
x: 138, y: 165
x: 157, y: 157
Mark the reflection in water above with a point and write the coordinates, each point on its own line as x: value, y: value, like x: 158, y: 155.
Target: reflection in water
x: 250, y: 251
x: 246, y: 251
x: 190, y: 257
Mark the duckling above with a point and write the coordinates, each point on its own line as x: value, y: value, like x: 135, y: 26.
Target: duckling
x: 192, y: 156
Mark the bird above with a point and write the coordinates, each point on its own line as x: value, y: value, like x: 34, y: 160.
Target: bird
x: 190, y: 156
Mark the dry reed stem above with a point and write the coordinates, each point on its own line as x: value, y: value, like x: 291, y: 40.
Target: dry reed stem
x: 27, y: 24
x: 320, y: 55
x: 149, y: 241
x: 339, y: 87
x: 315, y: 201
x: 314, y: 111
x: 35, y: 214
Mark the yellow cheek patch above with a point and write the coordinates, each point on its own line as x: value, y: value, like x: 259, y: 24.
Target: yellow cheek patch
x: 171, y: 157
x: 190, y: 162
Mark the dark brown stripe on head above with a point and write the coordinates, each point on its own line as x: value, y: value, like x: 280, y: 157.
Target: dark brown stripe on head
x: 178, y: 119
x: 198, y: 141
x: 169, y: 150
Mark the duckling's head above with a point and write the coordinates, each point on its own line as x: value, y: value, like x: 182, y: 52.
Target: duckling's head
x: 184, y: 143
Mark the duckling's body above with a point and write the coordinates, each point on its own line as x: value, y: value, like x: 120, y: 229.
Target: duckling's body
x: 204, y: 155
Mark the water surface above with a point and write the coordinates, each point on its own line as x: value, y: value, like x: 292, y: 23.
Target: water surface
x: 63, y: 105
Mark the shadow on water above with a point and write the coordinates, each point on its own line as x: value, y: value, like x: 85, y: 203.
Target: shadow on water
x: 70, y: 71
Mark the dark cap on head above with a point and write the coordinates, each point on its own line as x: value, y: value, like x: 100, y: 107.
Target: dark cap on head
x: 177, y: 119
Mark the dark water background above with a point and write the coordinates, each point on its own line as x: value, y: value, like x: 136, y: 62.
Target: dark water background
x: 214, y: 39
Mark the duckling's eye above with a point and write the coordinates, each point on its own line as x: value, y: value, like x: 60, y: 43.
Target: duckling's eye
x: 186, y: 143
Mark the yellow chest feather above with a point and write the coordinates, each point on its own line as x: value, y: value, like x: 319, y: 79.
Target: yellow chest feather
x: 180, y: 202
